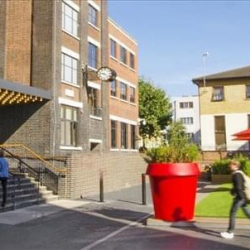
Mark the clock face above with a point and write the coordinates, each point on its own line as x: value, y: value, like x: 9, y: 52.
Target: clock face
x: 105, y: 73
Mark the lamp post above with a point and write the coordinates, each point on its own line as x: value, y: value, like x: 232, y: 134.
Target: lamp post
x: 204, y: 55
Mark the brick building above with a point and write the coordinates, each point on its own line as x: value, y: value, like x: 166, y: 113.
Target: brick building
x: 51, y: 99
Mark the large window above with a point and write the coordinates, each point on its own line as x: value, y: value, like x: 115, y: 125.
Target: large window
x: 123, y: 55
x: 132, y: 61
x: 113, y: 88
x: 69, y: 69
x: 132, y: 94
x: 112, y: 48
x: 69, y: 19
x: 186, y: 105
x: 133, y: 133
x: 113, y: 134
x: 124, y: 135
x: 93, y: 15
x: 68, y: 126
x: 218, y: 94
x: 93, y: 55
x: 123, y: 91
x: 247, y: 91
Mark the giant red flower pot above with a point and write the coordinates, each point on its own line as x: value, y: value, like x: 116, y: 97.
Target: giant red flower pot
x: 173, y: 187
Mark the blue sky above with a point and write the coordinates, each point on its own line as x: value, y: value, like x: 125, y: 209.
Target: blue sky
x: 173, y: 35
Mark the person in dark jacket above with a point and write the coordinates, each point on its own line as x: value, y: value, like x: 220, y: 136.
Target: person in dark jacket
x: 4, y: 174
x: 239, y: 198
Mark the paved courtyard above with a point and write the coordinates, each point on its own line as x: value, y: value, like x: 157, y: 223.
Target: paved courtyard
x: 119, y: 223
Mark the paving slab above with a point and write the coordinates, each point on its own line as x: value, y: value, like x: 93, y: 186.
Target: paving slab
x: 34, y: 212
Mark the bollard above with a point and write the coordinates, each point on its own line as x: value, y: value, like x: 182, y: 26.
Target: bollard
x: 101, y: 187
x: 143, y: 182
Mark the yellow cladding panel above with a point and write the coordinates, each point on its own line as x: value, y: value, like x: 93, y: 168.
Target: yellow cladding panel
x: 235, y: 100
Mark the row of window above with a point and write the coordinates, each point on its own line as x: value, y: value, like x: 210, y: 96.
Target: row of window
x: 123, y: 91
x: 218, y: 93
x: 124, y: 136
x: 69, y: 123
x: 70, y: 18
x: 125, y: 56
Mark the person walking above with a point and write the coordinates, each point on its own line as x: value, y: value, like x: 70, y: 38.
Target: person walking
x: 239, y: 200
x: 4, y: 174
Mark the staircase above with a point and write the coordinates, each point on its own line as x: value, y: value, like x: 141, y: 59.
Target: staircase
x: 23, y: 191
x: 33, y: 180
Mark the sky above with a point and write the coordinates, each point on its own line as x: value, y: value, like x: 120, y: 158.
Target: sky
x: 172, y: 36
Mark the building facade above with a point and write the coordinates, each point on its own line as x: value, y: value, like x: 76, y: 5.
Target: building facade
x: 51, y: 51
x: 186, y: 110
x: 224, y: 109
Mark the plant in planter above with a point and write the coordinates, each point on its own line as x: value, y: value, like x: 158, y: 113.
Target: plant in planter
x: 221, y: 172
x: 173, y: 176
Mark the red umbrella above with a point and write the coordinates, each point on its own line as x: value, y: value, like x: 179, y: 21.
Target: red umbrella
x: 242, y: 135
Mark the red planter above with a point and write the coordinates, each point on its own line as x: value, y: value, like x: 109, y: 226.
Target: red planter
x: 173, y: 187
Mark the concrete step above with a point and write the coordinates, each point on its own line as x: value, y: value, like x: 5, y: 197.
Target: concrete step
x: 26, y: 203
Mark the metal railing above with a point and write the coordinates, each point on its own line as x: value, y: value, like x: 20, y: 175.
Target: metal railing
x: 25, y: 160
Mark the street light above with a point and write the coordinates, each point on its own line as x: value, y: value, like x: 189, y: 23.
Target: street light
x: 204, y: 55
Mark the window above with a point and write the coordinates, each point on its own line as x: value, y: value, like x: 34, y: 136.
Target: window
x: 68, y: 126
x: 187, y: 120
x: 113, y: 134
x: 92, y: 15
x: 123, y: 94
x: 112, y: 48
x: 220, y: 132
x: 132, y: 94
x: 132, y: 61
x: 123, y: 135
x: 69, y: 19
x: 190, y: 137
x: 69, y: 69
x: 93, y: 101
x: 247, y: 91
x: 113, y: 88
x: 93, y: 55
x: 123, y: 55
x: 133, y: 133
x: 186, y: 105
x: 218, y: 94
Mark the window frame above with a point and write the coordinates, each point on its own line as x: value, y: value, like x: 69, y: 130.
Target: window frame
x: 72, y: 70
x: 124, y: 135
x: 113, y: 47
x: 73, y: 22
x: 218, y: 97
x: 113, y: 134
x: 131, y: 60
x: 93, y: 15
x: 123, y: 91
x: 113, y: 88
x: 133, y: 136
x: 69, y: 123
x: 247, y: 95
x: 93, y: 55
x: 123, y: 55
x: 132, y: 94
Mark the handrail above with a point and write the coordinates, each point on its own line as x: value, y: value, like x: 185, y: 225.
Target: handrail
x: 50, y: 166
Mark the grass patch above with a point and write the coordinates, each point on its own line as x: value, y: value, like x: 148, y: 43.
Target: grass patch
x: 217, y: 204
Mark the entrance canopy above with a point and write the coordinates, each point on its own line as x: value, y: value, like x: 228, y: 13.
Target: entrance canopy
x: 15, y: 93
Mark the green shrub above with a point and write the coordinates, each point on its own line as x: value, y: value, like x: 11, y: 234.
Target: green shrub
x: 221, y: 166
x: 178, y: 148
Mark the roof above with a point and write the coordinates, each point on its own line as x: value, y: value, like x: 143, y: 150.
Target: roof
x: 242, y: 72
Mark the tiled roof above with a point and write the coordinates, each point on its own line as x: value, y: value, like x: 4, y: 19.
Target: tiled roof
x: 234, y: 73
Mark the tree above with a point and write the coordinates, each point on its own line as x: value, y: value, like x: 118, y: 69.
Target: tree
x: 154, y: 109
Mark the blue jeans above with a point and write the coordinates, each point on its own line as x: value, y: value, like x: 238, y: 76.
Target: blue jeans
x: 235, y: 206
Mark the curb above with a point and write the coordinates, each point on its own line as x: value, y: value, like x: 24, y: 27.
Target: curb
x: 199, y: 222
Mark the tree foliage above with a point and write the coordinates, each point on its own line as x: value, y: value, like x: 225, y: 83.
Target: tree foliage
x: 154, y: 109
